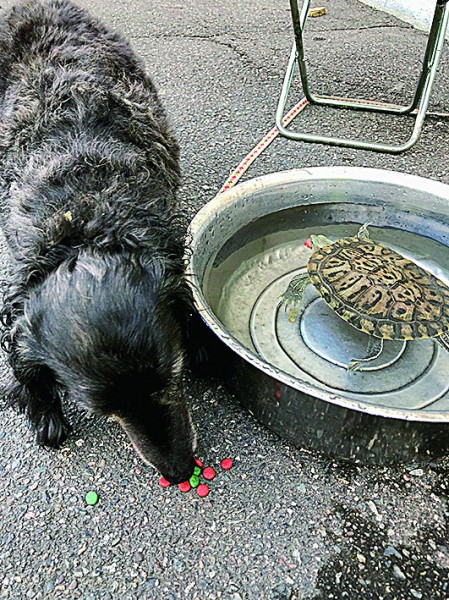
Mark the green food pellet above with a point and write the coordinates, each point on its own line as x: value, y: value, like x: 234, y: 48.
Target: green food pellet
x: 91, y: 498
x: 197, y: 471
x: 194, y: 481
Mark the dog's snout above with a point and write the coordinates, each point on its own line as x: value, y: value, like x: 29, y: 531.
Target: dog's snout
x: 178, y: 474
x: 170, y: 453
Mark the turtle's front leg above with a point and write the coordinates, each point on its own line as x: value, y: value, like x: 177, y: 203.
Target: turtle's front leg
x: 292, y: 297
x: 373, y: 351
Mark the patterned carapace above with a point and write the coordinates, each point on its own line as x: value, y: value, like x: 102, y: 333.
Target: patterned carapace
x: 378, y: 291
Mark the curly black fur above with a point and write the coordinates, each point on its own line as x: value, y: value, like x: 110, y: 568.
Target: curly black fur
x: 98, y: 306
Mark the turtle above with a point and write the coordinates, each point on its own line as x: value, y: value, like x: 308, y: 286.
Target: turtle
x: 376, y: 290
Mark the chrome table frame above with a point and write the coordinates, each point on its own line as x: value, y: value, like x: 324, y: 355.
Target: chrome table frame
x: 419, y: 103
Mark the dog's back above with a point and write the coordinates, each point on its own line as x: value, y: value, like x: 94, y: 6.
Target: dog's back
x: 77, y: 113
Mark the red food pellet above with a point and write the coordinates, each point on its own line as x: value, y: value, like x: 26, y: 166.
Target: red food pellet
x: 209, y: 473
x: 202, y: 490
x: 226, y: 463
x: 184, y: 486
x: 163, y: 482
x: 198, y: 463
x: 277, y: 395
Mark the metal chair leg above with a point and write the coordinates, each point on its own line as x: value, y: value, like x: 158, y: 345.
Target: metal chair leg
x: 420, y: 100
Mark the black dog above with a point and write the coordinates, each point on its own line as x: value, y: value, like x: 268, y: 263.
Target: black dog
x: 98, y: 306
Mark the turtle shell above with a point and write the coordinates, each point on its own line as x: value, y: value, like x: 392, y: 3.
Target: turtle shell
x: 380, y: 292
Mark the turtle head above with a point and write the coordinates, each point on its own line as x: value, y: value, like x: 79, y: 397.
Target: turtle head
x: 315, y: 242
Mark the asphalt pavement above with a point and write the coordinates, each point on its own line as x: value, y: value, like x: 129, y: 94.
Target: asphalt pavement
x: 284, y: 523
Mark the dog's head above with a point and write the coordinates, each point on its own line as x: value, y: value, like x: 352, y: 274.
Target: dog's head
x: 111, y: 329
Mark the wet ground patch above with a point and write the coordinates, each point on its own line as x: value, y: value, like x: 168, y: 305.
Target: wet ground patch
x: 366, y: 564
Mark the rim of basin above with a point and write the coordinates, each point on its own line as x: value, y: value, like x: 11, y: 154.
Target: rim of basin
x: 232, y: 196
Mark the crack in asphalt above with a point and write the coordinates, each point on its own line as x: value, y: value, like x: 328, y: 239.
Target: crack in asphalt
x: 212, y: 36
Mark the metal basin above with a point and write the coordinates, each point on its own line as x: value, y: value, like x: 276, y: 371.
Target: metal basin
x: 292, y: 374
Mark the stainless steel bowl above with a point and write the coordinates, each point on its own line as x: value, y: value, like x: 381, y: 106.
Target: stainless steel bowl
x: 248, y: 244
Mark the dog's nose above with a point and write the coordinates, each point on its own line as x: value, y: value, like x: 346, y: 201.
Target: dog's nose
x: 179, y: 474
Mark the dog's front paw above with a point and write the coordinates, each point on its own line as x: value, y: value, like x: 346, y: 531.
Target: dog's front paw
x: 52, y: 430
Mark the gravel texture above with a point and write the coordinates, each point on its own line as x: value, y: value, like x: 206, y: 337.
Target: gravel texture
x: 283, y: 523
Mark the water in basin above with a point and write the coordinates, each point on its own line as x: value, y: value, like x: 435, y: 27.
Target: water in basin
x: 243, y: 285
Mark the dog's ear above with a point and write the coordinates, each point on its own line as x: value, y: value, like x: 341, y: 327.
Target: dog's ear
x: 155, y: 268
x: 205, y: 352
x: 168, y: 280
